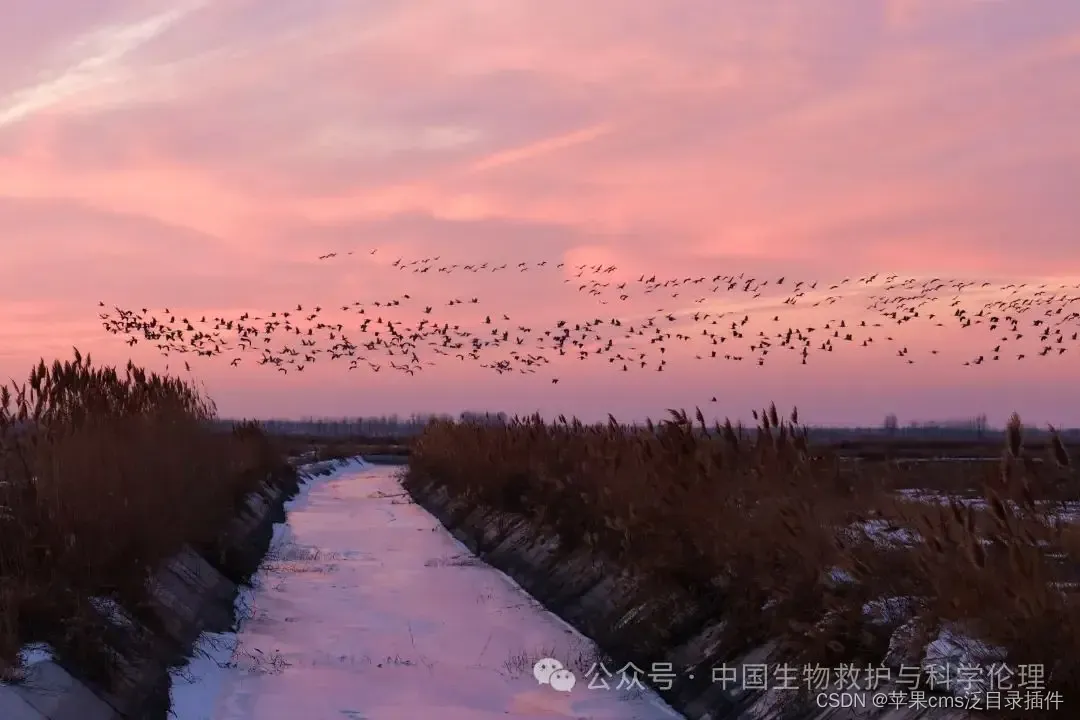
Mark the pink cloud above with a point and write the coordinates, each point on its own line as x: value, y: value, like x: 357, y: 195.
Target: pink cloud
x: 203, y: 157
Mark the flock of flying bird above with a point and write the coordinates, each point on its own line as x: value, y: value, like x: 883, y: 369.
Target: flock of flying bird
x: 364, y: 335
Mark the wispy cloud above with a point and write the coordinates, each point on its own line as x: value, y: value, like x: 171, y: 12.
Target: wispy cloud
x: 542, y: 147
x: 205, y: 154
x: 93, y: 69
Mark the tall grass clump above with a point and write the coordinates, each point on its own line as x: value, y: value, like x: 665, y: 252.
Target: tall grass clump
x: 791, y: 546
x: 103, y: 475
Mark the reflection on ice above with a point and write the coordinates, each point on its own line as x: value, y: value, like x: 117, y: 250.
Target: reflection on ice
x: 368, y: 609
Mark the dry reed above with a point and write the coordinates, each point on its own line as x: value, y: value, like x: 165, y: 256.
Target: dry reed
x: 103, y: 475
x: 785, y: 542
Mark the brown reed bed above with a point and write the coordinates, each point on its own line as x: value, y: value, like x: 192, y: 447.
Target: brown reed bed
x: 103, y: 475
x: 789, y: 544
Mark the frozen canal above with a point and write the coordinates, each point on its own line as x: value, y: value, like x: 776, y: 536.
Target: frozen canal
x: 369, y: 609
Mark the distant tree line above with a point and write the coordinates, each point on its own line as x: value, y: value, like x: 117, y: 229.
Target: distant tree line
x: 978, y: 426
x: 974, y: 428
x: 395, y: 426
x: 383, y: 426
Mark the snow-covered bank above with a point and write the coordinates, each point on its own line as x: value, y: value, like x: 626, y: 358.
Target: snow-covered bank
x: 369, y: 609
x: 123, y: 673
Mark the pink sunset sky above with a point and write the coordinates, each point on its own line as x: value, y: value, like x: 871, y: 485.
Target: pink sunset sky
x: 200, y: 156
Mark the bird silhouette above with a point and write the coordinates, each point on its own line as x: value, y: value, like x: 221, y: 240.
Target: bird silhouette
x: 708, y: 318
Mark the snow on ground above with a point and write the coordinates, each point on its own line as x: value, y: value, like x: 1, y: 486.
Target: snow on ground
x: 1068, y: 511
x: 368, y: 608
x: 35, y: 653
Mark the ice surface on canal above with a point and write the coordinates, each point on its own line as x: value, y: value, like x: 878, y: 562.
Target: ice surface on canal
x: 369, y: 609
